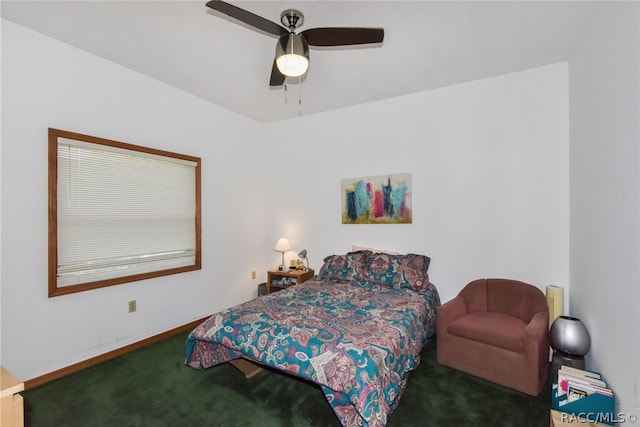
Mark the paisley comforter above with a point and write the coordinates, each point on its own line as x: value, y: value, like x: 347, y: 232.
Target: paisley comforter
x: 357, y: 341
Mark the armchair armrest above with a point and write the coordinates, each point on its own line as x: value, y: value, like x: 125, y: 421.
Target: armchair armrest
x: 536, y: 335
x: 448, y: 312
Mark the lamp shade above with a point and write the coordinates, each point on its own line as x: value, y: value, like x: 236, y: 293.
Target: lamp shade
x: 282, y: 245
x: 568, y: 335
x: 292, y: 55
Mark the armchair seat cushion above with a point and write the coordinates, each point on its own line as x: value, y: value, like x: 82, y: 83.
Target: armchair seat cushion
x: 495, y: 329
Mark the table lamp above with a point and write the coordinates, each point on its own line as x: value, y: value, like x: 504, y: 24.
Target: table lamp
x: 282, y: 246
x: 303, y: 255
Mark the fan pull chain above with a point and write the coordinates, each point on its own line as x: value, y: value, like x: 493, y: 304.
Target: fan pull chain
x: 286, y: 96
x: 299, y: 96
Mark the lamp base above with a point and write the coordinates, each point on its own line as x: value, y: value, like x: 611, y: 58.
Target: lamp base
x: 559, y: 358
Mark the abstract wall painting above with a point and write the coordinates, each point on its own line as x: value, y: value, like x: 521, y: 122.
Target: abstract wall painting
x: 384, y: 199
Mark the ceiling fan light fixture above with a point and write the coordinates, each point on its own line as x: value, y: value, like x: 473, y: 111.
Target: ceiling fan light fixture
x: 292, y: 55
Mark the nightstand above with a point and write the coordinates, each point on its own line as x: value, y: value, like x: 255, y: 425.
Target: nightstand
x: 12, y: 412
x: 277, y: 280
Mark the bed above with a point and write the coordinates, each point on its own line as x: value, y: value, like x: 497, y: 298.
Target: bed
x: 356, y: 329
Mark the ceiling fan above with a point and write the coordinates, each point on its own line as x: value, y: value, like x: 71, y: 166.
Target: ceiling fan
x: 292, y: 50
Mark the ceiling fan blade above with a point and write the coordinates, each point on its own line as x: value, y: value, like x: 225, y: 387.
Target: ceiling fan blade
x: 248, y: 18
x: 342, y: 36
x: 277, y: 78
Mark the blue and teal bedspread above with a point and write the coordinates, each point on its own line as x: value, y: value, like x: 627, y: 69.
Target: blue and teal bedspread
x: 357, y: 341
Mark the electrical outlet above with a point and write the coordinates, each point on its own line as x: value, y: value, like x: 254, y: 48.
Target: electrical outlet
x: 132, y: 306
x: 253, y: 275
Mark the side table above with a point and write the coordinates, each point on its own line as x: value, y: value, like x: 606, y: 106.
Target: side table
x: 12, y: 406
x: 277, y: 280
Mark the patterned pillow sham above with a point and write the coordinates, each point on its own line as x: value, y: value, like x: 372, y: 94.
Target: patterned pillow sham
x: 380, y: 268
x: 412, y: 272
x: 398, y: 271
x: 343, y: 268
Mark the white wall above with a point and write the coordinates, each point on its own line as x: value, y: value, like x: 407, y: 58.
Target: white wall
x: 489, y: 166
x: 605, y: 194
x: 49, y: 84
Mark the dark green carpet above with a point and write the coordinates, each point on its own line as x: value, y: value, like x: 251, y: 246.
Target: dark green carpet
x: 153, y: 387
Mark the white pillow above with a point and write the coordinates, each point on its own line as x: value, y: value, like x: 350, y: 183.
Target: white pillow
x: 355, y: 248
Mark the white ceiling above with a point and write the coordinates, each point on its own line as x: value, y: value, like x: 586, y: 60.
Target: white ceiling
x: 428, y: 44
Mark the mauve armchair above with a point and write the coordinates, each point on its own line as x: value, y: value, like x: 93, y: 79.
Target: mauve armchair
x: 497, y: 329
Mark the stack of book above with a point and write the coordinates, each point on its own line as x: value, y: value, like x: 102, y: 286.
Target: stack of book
x: 583, y: 392
x: 574, y: 384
